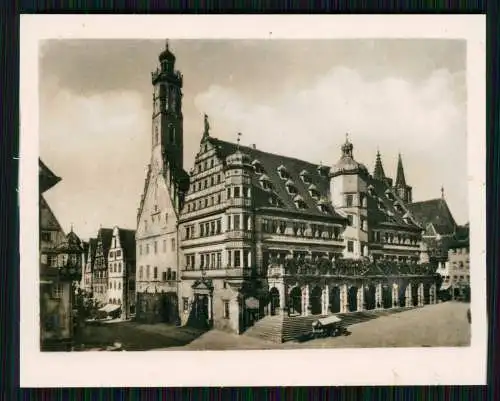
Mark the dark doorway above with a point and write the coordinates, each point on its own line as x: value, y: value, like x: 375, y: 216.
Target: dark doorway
x: 315, y: 301
x: 370, y: 297
x: 414, y: 295
x: 274, y: 300
x: 335, y: 300
x: 427, y: 294
x: 352, y: 299
x: 296, y: 301
x: 170, y: 308
x: 200, y: 311
x: 402, y: 295
x: 386, y: 297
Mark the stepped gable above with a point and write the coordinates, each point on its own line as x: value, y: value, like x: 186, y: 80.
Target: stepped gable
x: 127, y: 241
x: 386, y: 208
x: 435, y: 212
x: 277, y: 198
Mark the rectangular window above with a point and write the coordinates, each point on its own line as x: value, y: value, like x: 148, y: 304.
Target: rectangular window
x: 237, y: 259
x: 140, y: 249
x: 219, y: 224
x: 185, y: 304
x: 164, y: 276
x: 45, y: 236
x: 350, y: 246
x: 226, y: 309
x: 212, y: 260
x: 147, y: 272
x: 245, y: 258
x: 156, y: 247
x: 57, y: 290
x: 155, y: 273
x: 229, y: 258
x: 141, y: 272
x: 202, y: 230
x: 236, y: 218
x: 164, y: 245
x: 212, y: 228
x: 52, y: 260
x: 172, y: 243
x: 202, y: 261
x: 219, y: 259
x: 207, y: 228
x: 218, y: 198
x: 236, y: 192
x: 147, y: 249
x: 350, y: 219
x: 228, y: 193
x: 348, y: 200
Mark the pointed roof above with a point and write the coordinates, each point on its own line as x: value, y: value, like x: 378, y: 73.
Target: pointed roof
x: 378, y: 172
x: 105, y: 235
x: 435, y: 212
x: 400, y: 175
x: 46, y: 177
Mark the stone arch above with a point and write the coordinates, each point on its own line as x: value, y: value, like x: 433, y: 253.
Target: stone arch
x: 296, y: 300
x: 370, y: 301
x: 386, y: 296
x: 352, y: 299
x: 274, y: 300
x: 315, y: 300
x: 335, y: 299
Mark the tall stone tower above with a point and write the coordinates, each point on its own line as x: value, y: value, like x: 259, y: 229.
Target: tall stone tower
x: 157, y: 262
x: 348, y: 189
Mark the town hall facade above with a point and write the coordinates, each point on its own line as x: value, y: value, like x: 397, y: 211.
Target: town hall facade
x: 249, y: 235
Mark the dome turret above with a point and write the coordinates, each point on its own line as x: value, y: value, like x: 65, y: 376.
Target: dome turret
x: 347, y: 164
x: 166, y: 54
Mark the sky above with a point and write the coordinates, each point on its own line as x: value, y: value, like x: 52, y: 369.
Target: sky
x: 294, y: 97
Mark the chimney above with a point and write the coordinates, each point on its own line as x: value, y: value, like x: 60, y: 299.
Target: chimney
x: 253, y: 146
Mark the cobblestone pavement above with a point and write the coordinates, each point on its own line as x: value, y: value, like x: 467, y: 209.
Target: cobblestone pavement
x: 437, y: 325
x: 431, y: 326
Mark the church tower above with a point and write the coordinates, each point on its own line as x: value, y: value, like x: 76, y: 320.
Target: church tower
x: 157, y: 262
x: 404, y: 191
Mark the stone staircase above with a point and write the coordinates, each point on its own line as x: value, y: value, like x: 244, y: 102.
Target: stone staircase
x: 280, y: 329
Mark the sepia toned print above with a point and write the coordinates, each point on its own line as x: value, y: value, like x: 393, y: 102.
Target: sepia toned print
x: 277, y: 201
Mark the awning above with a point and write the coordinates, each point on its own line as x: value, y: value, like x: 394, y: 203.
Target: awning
x: 109, y: 308
x: 327, y: 320
x: 252, y: 303
x: 445, y: 286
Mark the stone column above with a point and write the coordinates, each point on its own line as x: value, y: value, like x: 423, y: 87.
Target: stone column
x: 210, y: 308
x: 343, y: 298
x: 305, y: 300
x: 420, y: 294
x: 408, y: 294
x: 361, y: 298
x: 378, y: 296
x: 432, y: 294
x: 395, y: 295
x: 283, y: 300
x: 325, y: 300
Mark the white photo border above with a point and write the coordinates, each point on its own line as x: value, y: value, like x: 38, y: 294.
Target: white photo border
x: 382, y: 366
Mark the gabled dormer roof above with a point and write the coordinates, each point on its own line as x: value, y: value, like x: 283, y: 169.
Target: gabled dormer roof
x: 271, y: 164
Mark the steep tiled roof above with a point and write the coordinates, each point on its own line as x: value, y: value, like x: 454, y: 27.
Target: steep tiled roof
x: 48, y: 220
x: 127, y: 241
x: 85, y: 246
x: 461, y: 237
x: 46, y: 178
x: 106, y: 235
x: 385, y: 208
x: 435, y: 212
x: 295, y: 169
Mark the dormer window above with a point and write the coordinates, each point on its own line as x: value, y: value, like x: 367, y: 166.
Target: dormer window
x: 299, y: 202
x: 304, y: 174
x: 257, y: 167
x: 313, y: 191
x: 290, y: 187
x: 389, y: 195
x: 283, y: 173
x: 323, y: 205
x: 265, y: 182
x: 398, y: 207
x: 371, y: 190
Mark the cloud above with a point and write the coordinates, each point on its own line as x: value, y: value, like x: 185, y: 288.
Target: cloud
x: 420, y: 119
x: 99, y: 145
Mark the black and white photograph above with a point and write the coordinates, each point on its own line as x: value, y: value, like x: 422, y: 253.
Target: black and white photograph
x: 286, y: 194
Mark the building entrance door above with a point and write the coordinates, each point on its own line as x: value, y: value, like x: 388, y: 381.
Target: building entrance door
x: 201, y: 310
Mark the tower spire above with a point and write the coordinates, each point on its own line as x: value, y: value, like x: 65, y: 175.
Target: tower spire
x: 400, y: 175
x: 378, y: 172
